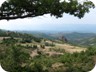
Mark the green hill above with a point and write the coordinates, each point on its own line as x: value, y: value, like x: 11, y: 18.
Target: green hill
x: 75, y: 38
x: 22, y: 52
x: 14, y: 34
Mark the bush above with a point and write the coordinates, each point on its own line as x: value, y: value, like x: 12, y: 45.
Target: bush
x: 9, y: 41
x: 34, y: 47
x: 42, y: 46
x: 26, y: 41
x: 49, y: 44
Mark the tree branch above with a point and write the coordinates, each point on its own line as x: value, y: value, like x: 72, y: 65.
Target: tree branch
x: 14, y: 9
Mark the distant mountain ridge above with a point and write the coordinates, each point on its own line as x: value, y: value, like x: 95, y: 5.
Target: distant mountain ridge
x: 39, y: 34
x: 76, y: 38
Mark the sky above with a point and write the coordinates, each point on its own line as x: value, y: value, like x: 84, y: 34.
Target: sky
x: 48, y: 23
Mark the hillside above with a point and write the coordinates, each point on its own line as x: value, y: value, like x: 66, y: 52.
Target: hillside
x: 39, y: 34
x: 21, y: 52
x: 81, y: 39
x: 15, y: 34
x: 75, y: 38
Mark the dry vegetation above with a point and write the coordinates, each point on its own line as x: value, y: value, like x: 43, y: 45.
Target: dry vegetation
x: 45, y: 56
x: 58, y: 49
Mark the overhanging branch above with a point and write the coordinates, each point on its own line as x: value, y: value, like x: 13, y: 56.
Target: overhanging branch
x: 14, y: 9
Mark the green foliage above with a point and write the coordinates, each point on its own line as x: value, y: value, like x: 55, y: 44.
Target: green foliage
x: 79, y: 62
x: 9, y: 41
x: 13, y: 9
x: 26, y: 38
x: 17, y: 58
x: 37, y: 67
x: 13, y: 59
x: 44, y: 60
x: 35, y: 47
x: 49, y: 44
x: 91, y: 51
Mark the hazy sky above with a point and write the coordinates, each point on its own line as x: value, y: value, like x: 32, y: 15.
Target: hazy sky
x: 46, y: 22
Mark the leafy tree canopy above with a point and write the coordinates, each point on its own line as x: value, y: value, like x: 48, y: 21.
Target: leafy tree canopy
x: 14, y: 9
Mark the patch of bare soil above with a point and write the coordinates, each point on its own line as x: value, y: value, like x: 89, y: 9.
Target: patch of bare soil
x: 1, y: 38
x: 70, y: 48
x: 58, y: 49
x: 53, y: 53
x: 56, y: 65
x: 34, y: 53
